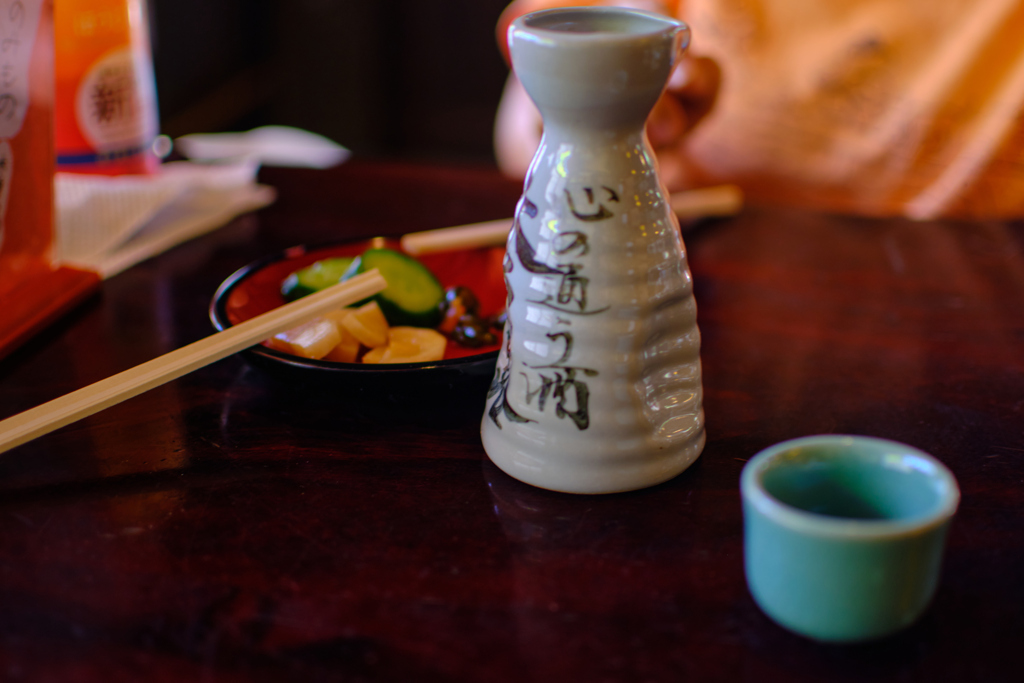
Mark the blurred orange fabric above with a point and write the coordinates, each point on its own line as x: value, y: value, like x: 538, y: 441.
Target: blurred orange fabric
x: 878, y: 107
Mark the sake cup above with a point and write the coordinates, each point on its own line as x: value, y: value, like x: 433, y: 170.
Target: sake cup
x: 844, y: 535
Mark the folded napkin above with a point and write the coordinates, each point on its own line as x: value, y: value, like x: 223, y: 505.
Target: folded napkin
x: 109, y: 223
x: 270, y: 145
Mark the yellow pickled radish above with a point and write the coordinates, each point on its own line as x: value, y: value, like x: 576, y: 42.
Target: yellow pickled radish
x: 339, y: 315
x: 402, y: 348
x: 313, y: 339
x: 414, y: 345
x: 375, y: 355
x: 367, y: 324
x: 346, y: 350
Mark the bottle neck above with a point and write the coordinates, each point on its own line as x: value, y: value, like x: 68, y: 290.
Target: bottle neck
x: 591, y: 134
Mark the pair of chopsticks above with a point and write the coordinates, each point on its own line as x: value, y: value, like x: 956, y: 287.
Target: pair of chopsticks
x: 69, y: 408
x: 720, y: 200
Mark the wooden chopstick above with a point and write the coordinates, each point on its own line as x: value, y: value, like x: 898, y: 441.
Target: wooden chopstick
x: 720, y: 200
x: 43, y: 419
x: 707, y: 202
x: 486, y: 234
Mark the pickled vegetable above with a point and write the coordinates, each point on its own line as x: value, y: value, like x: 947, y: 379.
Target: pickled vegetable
x: 409, y: 345
x: 315, y: 277
x: 367, y: 324
x: 369, y: 333
x: 313, y: 339
x: 458, y: 301
x: 473, y: 332
x: 413, y: 294
x: 348, y: 347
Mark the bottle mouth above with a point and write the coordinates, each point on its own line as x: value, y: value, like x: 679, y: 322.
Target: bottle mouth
x: 603, y: 22
x: 597, y: 67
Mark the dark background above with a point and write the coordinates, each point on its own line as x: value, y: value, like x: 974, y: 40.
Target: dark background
x: 387, y: 78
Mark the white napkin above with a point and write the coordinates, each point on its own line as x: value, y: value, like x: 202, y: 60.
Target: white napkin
x: 269, y: 145
x: 109, y: 223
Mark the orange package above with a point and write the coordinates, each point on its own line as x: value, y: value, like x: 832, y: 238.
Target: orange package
x: 33, y: 291
x: 106, y: 117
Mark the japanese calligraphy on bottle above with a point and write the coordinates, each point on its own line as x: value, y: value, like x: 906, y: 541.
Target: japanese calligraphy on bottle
x: 558, y: 383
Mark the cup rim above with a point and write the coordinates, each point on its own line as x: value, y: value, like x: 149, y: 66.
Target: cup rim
x: 754, y: 493
x: 526, y: 25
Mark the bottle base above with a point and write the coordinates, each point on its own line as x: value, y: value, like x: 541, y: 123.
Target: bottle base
x: 599, y: 478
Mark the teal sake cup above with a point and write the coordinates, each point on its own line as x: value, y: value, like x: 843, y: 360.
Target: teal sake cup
x: 844, y: 535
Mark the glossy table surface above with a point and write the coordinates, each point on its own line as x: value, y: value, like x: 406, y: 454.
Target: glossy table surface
x: 229, y: 527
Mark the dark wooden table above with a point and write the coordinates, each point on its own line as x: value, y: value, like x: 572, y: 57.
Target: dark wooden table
x: 224, y: 527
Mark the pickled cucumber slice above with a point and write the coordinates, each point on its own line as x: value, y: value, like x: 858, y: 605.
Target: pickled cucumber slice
x: 413, y: 296
x: 313, y: 278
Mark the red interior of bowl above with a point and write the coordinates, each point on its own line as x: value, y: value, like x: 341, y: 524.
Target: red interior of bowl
x: 478, y: 269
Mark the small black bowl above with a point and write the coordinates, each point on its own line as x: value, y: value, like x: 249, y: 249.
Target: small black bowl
x: 443, y: 392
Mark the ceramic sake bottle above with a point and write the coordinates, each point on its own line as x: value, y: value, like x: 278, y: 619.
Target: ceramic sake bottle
x: 598, y: 384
